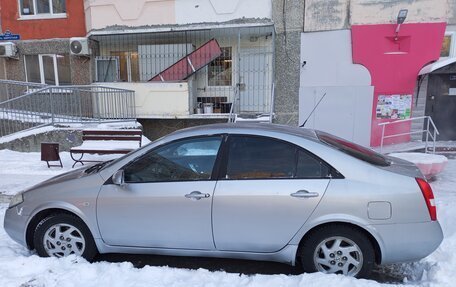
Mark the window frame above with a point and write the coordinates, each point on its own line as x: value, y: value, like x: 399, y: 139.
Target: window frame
x: 223, y: 169
x: 41, y: 67
x: 107, y: 58
x: 215, y: 168
x: 36, y: 15
x: 452, y: 48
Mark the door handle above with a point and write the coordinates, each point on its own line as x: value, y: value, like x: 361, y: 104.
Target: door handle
x: 197, y: 195
x: 304, y: 193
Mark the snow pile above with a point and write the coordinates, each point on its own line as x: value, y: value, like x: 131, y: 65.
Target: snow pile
x: 429, y: 164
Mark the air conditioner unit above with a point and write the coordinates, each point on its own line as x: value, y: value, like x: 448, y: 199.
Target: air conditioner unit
x: 79, y: 46
x: 8, y: 49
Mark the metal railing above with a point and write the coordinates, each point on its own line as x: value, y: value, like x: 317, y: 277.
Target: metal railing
x: 65, y: 104
x: 11, y: 89
x: 429, y: 123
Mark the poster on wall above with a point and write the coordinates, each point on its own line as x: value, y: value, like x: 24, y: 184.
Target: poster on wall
x: 394, y: 107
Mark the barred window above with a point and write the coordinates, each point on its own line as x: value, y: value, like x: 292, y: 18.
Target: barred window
x: 220, y: 70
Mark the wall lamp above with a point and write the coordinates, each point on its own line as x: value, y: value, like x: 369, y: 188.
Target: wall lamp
x: 400, y: 19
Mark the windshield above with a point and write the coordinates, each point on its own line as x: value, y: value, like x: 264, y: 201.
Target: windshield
x: 352, y: 149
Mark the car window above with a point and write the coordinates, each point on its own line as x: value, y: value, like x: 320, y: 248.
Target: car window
x: 259, y: 157
x: 184, y: 160
x: 309, y: 166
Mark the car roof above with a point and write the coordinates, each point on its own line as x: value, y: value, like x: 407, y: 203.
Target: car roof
x: 250, y: 128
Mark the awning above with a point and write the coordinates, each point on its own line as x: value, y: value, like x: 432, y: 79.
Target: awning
x: 191, y: 63
x: 437, y: 65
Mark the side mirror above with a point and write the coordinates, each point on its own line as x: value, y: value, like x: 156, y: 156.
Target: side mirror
x: 118, y: 177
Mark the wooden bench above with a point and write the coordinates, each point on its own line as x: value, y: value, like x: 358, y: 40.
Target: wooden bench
x: 106, y: 142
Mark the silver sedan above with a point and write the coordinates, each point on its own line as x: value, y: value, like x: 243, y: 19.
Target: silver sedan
x: 252, y: 191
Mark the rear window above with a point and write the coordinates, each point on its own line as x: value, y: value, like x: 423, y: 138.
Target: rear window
x: 352, y: 149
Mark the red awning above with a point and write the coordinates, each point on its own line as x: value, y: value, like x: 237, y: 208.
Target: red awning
x: 191, y: 63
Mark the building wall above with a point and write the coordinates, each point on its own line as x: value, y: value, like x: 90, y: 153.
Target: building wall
x: 329, y: 15
x: 136, y: 13
x: 344, y: 89
x: 15, y: 68
x: 394, y: 63
x: 289, y: 26
x: 73, y: 25
x: 197, y: 11
x: 324, y: 15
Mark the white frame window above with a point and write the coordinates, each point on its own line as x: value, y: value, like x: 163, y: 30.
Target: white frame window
x: 452, y: 48
x: 41, y: 67
x: 35, y: 14
x: 111, y: 60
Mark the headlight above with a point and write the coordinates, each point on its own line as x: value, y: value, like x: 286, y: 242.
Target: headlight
x: 16, y: 200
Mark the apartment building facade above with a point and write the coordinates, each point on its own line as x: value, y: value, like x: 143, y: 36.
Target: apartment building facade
x: 37, y: 43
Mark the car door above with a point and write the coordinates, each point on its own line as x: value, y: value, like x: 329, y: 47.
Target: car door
x: 166, y: 199
x: 267, y: 190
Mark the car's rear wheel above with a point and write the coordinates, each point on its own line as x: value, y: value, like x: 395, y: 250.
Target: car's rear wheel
x: 60, y: 235
x: 338, y: 249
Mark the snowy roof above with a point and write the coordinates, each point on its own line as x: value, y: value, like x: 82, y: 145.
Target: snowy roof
x: 237, y: 23
x: 437, y: 65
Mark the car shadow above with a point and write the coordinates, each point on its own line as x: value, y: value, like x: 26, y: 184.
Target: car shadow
x: 238, y: 266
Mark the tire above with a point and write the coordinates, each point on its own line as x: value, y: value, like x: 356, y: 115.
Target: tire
x: 338, y: 249
x: 60, y: 235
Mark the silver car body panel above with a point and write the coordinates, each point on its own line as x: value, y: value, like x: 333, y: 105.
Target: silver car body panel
x: 156, y: 215
x: 262, y: 215
x: 407, y: 234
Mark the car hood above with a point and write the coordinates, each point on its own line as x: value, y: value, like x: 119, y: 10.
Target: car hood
x: 74, y: 174
x: 402, y: 167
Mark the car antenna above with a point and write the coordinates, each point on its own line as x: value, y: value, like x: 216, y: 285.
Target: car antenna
x: 304, y: 123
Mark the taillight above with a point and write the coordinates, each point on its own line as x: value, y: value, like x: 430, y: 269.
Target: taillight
x: 428, y: 197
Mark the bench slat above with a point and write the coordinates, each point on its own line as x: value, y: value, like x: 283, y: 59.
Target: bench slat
x: 103, y: 138
x: 92, y: 151
x: 112, y: 132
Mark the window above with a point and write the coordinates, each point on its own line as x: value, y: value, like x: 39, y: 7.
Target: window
x: 107, y: 69
x: 120, y: 66
x: 309, y: 166
x: 48, y: 69
x: 352, y: 149
x: 220, y: 70
x: 446, y: 45
x: 252, y: 157
x: 42, y: 7
x: 184, y: 160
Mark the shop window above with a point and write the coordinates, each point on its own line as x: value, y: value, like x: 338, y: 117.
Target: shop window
x: 42, y: 7
x: 48, y: 69
x: 220, y: 70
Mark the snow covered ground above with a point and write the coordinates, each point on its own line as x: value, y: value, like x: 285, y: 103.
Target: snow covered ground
x: 21, y: 268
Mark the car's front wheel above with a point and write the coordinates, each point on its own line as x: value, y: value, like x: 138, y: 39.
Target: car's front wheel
x: 338, y: 249
x: 60, y: 235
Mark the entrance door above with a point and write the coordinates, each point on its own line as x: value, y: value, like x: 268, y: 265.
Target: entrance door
x: 255, y: 81
x: 441, y: 104
x: 166, y: 200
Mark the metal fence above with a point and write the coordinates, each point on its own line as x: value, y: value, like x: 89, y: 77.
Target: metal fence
x: 243, y: 68
x: 430, y: 131
x: 11, y: 89
x: 65, y: 104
